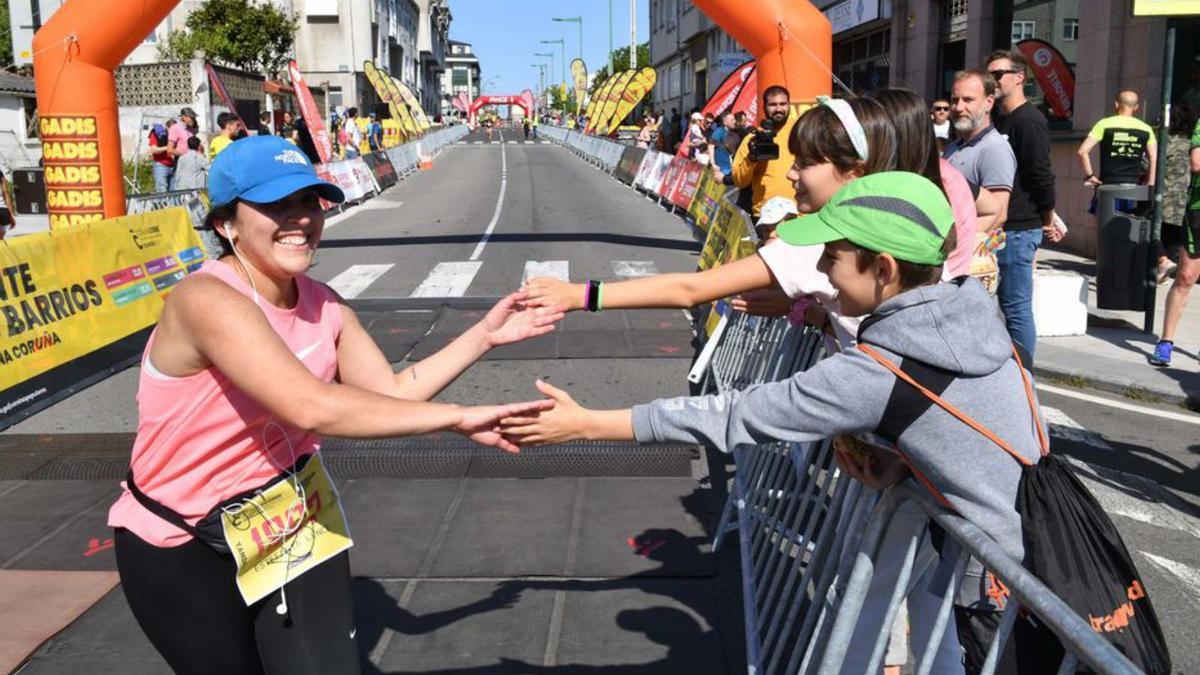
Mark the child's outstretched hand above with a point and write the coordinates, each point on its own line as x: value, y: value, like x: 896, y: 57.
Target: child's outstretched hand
x: 564, y: 421
x: 551, y: 292
x: 514, y: 319
x: 482, y: 423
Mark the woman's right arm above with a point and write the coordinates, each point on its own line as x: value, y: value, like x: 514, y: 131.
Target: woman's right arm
x: 681, y: 290
x: 205, y: 322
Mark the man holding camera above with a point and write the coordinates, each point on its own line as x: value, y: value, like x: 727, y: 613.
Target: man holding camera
x: 763, y: 160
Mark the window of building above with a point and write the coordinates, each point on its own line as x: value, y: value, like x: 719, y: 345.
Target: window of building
x: 459, y: 77
x: 1070, y: 29
x: 335, y: 97
x: 686, y: 77
x: 673, y: 80
x: 31, y: 117
x: 1023, y: 30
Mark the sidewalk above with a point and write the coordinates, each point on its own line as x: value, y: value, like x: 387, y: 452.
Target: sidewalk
x: 1112, y: 355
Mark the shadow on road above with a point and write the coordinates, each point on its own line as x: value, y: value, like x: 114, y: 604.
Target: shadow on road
x: 536, y: 237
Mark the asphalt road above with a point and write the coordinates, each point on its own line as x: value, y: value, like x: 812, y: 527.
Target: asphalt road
x: 493, y: 211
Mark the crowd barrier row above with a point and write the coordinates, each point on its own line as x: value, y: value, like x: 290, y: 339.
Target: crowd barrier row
x: 811, y: 538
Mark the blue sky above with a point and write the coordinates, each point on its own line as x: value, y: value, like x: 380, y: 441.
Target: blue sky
x: 506, y: 33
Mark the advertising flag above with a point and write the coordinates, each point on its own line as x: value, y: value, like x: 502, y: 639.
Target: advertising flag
x: 1053, y: 75
x: 312, y: 116
x: 610, y: 101
x: 639, y: 85
x: 727, y: 93
x: 223, y: 93
x: 579, y: 78
x: 396, y: 108
x: 597, y: 102
x: 414, y: 106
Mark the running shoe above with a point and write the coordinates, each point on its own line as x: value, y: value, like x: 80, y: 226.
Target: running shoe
x: 1166, y: 271
x: 1162, y: 353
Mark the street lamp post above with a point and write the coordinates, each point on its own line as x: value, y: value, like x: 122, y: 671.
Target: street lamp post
x: 547, y: 55
x: 563, y: 45
x: 541, y: 78
x: 578, y: 20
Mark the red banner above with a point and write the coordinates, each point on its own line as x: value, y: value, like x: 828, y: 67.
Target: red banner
x: 686, y: 182
x: 1053, y: 75
x: 222, y: 93
x: 726, y: 94
x: 312, y: 116
x: 747, y: 100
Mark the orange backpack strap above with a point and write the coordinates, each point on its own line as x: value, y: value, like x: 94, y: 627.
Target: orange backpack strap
x: 1033, y: 406
x: 945, y: 405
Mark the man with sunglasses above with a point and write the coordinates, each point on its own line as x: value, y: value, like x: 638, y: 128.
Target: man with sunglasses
x: 1031, y: 205
x: 939, y: 113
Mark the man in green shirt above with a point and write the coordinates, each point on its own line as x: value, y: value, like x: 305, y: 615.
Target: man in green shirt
x: 1189, y: 261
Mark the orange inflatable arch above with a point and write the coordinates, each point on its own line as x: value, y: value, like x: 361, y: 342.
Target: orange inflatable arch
x: 791, y: 40
x: 75, y: 55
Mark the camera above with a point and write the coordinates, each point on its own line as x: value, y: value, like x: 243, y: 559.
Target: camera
x: 763, y: 147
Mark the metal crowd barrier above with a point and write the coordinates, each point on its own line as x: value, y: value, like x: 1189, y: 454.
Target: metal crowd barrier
x: 604, y: 153
x: 810, y: 539
x: 406, y: 157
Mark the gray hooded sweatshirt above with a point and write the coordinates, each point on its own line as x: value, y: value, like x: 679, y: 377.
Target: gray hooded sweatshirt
x: 951, y: 339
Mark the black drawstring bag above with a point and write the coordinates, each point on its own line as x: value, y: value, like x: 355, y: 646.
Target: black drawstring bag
x: 1072, y: 546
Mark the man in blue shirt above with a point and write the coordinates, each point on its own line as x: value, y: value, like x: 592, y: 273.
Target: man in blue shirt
x: 375, y: 134
x: 721, y: 157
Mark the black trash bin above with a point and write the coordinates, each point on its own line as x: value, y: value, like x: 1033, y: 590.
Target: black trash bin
x: 1123, y: 253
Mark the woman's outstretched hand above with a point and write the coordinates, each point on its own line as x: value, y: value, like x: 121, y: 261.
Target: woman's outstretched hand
x: 514, y: 319
x: 551, y: 292
x: 482, y: 423
x: 562, y: 421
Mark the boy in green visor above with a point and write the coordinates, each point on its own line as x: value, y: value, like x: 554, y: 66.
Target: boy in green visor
x: 886, y: 236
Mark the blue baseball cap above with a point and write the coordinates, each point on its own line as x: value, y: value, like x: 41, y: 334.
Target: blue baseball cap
x: 264, y: 169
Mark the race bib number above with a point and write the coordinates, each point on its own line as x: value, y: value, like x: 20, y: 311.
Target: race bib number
x: 283, y: 532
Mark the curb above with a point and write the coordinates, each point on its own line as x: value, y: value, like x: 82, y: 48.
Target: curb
x: 1185, y: 397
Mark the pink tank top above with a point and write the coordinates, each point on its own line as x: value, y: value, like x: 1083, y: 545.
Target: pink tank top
x: 201, y: 441
x: 962, y: 203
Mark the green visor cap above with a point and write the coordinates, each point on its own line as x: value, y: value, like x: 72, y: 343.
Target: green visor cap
x: 896, y: 212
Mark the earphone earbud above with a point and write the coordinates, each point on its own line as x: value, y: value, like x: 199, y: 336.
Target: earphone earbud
x: 281, y: 609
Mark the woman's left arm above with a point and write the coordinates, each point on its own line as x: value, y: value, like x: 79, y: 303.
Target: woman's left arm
x: 362, y: 364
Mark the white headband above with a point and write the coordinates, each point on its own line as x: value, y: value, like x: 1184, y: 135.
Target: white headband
x: 854, y: 129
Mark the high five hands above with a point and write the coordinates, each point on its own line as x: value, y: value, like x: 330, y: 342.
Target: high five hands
x: 561, y: 420
x: 516, y: 318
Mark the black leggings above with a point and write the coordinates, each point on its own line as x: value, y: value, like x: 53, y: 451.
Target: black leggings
x: 187, y: 603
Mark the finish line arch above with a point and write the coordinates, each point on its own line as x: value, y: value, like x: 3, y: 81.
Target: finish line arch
x: 478, y: 103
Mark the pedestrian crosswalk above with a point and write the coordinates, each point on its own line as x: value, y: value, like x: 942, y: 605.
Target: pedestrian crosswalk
x: 452, y: 279
x: 505, y: 142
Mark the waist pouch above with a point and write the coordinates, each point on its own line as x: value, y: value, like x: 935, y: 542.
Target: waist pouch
x: 209, y: 530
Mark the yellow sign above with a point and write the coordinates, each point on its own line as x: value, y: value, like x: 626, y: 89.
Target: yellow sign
x: 381, y: 82
x: 728, y: 240
x: 71, y: 154
x: 282, y: 532
x: 640, y: 84
x: 1165, y: 7
x: 68, y: 293
x: 611, y: 99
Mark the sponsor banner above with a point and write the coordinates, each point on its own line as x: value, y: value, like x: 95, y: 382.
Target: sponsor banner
x: 71, y: 156
x: 629, y: 164
x: 1053, y: 75
x: 312, y: 116
x: 382, y: 170
x: 579, y: 79
x: 639, y: 85
x: 644, y: 170
x: 727, y: 93
x: 381, y: 82
x: 609, y: 109
x: 414, y: 106
x: 728, y: 237
x: 223, y: 93
x: 195, y: 201
x: 707, y: 199
x: 71, y: 299
x: 686, y: 184
x: 849, y: 14
x: 671, y: 178
x: 598, y: 100
x: 747, y: 99
x: 658, y: 172
x: 352, y: 176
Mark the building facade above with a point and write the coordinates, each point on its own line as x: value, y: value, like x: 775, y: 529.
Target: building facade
x: 691, y: 54
x: 462, y: 74
x: 433, y: 35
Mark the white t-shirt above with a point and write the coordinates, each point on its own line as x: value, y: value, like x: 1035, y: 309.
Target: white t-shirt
x: 942, y: 130
x: 795, y: 268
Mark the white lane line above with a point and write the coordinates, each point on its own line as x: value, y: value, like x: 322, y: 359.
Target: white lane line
x: 448, y: 280
x: 1062, y: 426
x: 557, y: 269
x: 1134, y: 497
x: 632, y: 269
x: 357, y: 278
x: 1154, y: 412
x: 487, y: 234
x: 1190, y: 576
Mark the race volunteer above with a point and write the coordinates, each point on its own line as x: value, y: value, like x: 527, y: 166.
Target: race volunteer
x: 251, y: 363
x: 752, y: 168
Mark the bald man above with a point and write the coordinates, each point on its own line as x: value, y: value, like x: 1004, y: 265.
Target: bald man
x: 1128, y: 155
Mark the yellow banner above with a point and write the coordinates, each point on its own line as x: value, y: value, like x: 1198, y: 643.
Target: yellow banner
x: 639, y: 85
x: 396, y: 108
x: 597, y: 102
x: 414, y: 106
x: 68, y: 293
x: 610, y: 101
x: 728, y: 240
x: 71, y: 154
x: 579, y: 79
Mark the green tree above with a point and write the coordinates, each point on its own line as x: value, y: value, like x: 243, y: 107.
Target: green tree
x: 251, y: 36
x: 621, y: 56
x: 562, y: 99
x: 6, y: 47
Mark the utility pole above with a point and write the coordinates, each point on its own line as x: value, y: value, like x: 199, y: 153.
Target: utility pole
x: 612, y: 58
x: 633, y: 34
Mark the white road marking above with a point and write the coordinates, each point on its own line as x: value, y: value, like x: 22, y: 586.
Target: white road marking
x: 487, y: 234
x: 1190, y: 576
x: 448, y: 280
x: 1062, y: 426
x: 357, y: 278
x: 632, y: 269
x: 1154, y: 412
x: 557, y: 269
x: 1134, y: 497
